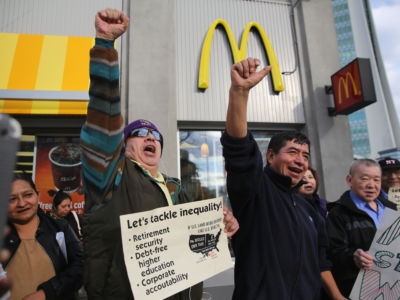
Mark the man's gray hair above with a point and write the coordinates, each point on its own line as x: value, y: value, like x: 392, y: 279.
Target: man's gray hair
x: 362, y: 162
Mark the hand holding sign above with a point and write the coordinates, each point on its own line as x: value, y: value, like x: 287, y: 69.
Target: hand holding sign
x: 231, y: 224
x: 362, y: 259
x: 381, y: 281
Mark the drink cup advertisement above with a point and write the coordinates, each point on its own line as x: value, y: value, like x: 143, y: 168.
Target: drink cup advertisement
x: 58, y: 167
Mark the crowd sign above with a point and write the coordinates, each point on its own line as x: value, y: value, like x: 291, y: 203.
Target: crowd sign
x: 394, y: 196
x: 169, y: 249
x: 383, y: 280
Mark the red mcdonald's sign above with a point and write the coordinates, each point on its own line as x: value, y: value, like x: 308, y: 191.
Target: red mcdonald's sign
x: 353, y: 87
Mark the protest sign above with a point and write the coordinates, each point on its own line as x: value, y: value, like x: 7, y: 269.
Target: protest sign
x: 169, y: 249
x: 394, y: 196
x: 383, y: 281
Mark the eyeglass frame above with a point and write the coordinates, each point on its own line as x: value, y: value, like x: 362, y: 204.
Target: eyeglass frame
x: 157, y: 135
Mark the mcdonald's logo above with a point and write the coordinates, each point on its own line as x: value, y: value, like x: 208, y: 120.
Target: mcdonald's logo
x: 353, y: 87
x: 344, y: 82
x: 239, y: 54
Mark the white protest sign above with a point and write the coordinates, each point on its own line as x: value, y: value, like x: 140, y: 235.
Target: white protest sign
x: 394, y: 196
x: 383, y: 281
x: 171, y: 248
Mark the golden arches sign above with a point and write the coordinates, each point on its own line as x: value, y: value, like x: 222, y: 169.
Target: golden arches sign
x: 239, y: 54
x: 344, y: 81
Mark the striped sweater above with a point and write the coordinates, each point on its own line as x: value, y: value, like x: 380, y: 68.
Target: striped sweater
x: 102, y: 134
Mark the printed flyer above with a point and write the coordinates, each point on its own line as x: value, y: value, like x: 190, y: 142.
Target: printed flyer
x: 394, y: 196
x: 169, y: 249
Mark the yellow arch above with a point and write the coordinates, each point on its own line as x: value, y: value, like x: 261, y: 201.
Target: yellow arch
x: 345, y: 83
x: 239, y: 54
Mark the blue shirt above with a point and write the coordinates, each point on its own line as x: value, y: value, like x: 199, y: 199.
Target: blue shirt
x: 385, y: 194
x: 365, y: 207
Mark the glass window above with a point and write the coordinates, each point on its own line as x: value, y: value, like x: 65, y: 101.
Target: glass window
x: 202, y: 164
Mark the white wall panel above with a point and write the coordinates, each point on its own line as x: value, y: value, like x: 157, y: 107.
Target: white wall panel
x: 193, y: 19
x: 52, y: 17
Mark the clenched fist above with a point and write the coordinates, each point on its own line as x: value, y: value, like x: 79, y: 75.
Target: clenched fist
x: 110, y: 23
x: 244, y: 74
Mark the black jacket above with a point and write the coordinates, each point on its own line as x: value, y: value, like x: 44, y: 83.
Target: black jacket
x: 281, y: 242
x: 349, y: 229
x: 319, y: 205
x: 74, y: 225
x: 68, y: 277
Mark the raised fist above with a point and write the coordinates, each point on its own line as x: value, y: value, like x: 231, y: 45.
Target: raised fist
x: 244, y: 74
x: 110, y: 23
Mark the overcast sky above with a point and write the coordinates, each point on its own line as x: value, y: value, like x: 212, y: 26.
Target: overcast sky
x: 387, y: 24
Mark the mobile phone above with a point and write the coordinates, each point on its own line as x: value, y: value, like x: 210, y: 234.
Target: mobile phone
x: 10, y: 134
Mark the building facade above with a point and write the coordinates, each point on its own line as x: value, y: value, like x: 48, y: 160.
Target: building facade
x: 175, y: 65
x: 357, y: 38
x: 160, y: 59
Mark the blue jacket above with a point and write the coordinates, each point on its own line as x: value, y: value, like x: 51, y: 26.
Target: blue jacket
x: 281, y: 242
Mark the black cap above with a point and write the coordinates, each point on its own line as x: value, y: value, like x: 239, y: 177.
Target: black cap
x: 389, y: 163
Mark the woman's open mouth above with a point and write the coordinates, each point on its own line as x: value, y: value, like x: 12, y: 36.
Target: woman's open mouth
x: 150, y: 148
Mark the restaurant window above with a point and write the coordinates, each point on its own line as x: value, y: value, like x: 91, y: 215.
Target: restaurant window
x: 202, y: 164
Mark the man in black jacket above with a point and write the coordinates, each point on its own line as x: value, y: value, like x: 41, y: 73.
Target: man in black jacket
x: 352, y: 223
x: 281, y: 243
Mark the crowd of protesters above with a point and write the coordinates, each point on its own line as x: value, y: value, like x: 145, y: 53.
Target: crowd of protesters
x: 291, y: 244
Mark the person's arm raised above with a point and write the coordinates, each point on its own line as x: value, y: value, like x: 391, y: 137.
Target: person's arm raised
x: 101, y: 136
x: 244, y: 76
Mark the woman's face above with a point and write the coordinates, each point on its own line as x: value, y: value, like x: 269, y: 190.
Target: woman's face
x: 63, y: 208
x: 308, y: 189
x: 23, y: 204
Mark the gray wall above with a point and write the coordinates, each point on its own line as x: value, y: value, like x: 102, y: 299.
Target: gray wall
x: 152, y: 72
x: 319, y: 58
x: 193, y: 20
x: 52, y: 17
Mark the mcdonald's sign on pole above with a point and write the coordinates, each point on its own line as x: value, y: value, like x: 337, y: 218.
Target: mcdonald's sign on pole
x: 353, y: 87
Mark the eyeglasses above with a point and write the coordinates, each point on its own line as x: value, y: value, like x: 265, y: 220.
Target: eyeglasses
x: 144, y: 132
